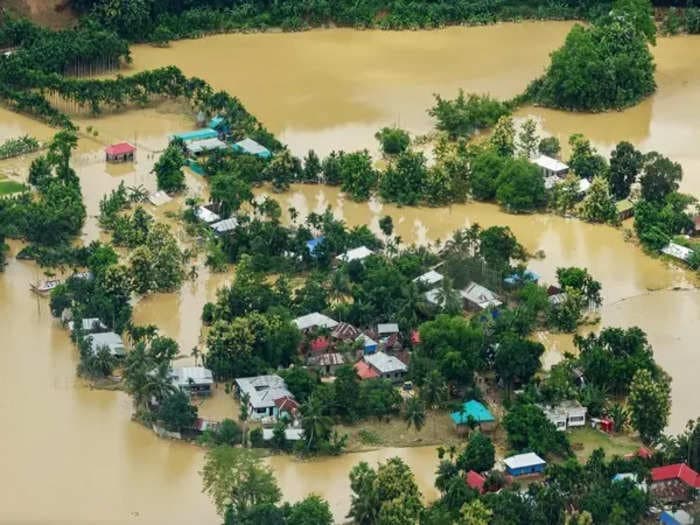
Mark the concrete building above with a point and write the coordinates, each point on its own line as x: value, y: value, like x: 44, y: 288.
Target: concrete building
x: 565, y: 415
x: 193, y: 380
x: 524, y: 464
x: 262, y: 392
x: 113, y: 342
x: 551, y: 167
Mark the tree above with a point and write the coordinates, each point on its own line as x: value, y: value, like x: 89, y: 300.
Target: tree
x: 650, y: 404
x: 517, y: 360
x: 475, y: 513
x: 393, y: 140
x: 521, y: 187
x: 414, y: 413
x: 625, y: 164
x: 403, y: 181
x: 478, y: 455
x: 312, y: 167
x: 463, y: 116
x: 527, y: 139
x: 235, y: 478
x: 529, y: 429
x: 317, y: 426
x: 357, y: 174
x: 549, y: 146
x: 168, y: 169
x: 386, y: 224
x: 580, y: 280
x: 228, y: 192
x: 312, y: 510
x: 566, y: 193
x: 503, y: 137
x: 585, y: 160
x: 498, y: 247
x: 434, y: 390
x: 282, y: 170
x: 176, y: 412
x: 485, y: 170
x: 660, y: 177
x: 599, y: 206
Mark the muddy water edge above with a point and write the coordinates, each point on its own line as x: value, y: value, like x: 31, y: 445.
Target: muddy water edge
x: 77, y: 449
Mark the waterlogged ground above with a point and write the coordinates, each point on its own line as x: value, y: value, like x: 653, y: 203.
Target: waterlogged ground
x: 78, y: 449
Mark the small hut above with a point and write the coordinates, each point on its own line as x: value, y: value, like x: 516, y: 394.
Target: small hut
x: 122, y: 152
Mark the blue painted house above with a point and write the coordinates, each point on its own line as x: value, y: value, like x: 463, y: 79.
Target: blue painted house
x: 198, y: 134
x: 369, y: 345
x: 252, y: 148
x: 473, y: 411
x: 524, y: 464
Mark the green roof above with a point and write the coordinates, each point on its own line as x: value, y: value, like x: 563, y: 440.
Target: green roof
x: 477, y: 411
x: 624, y: 205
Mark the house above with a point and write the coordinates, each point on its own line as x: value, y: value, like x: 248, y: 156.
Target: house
x: 113, y: 342
x: 90, y: 325
x: 122, y: 152
x: 158, y: 198
x: 193, y: 380
x: 566, y: 414
x: 345, y: 332
x: 287, y: 407
x: 200, y: 147
x: 225, y: 225
x: 290, y: 433
x: 625, y: 209
x: 528, y: 276
x: 473, y: 411
x: 677, y: 482
x: 369, y: 345
x: 356, y: 254
x: 198, y: 134
x: 206, y: 215
x: 251, y: 147
x: 677, y: 251
x: 478, y: 297
x: 262, y: 392
x: 387, y: 366
x: 314, y: 320
x: 678, y: 517
x: 313, y: 245
x: 327, y: 364
x: 475, y: 481
x: 524, y: 464
x: 387, y: 329
x: 319, y: 345
x: 433, y: 297
x: 551, y: 167
x: 365, y: 371
x: 429, y: 278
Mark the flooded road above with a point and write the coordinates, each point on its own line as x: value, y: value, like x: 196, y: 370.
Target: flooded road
x: 78, y: 449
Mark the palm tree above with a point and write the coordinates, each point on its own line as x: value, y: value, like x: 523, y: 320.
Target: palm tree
x: 448, y: 298
x: 434, y: 390
x: 317, y: 427
x: 195, y: 353
x: 414, y: 414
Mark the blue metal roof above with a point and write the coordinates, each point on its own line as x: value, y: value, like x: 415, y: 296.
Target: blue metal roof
x: 313, y: 244
x: 528, y: 275
x: 476, y: 410
x: 216, y: 122
x: 253, y: 148
x: 198, y: 134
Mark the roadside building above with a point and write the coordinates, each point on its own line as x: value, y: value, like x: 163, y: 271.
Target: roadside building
x: 122, y: 152
x: 524, y: 464
x: 677, y: 482
x: 478, y: 297
x: 251, y: 147
x: 262, y: 392
x: 193, y: 380
x: 551, y: 167
x: 473, y: 412
x: 314, y: 320
x: 113, y: 342
x: 356, y: 254
x: 387, y: 366
x: 565, y: 415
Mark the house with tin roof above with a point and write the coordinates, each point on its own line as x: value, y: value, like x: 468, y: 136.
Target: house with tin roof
x: 381, y: 365
x: 263, y: 393
x: 473, y: 412
x: 314, y: 320
x: 524, y: 464
x: 193, y: 380
x: 477, y: 297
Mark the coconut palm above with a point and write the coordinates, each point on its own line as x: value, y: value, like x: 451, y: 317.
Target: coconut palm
x: 448, y: 298
x: 414, y: 413
x: 195, y: 353
x: 434, y: 390
x: 317, y: 427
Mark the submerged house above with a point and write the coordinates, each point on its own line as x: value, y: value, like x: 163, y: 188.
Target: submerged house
x: 625, y: 209
x: 225, y: 225
x: 193, y: 380
x: 473, y: 412
x: 122, y: 152
x: 90, y: 325
x: 524, y: 464
x: 109, y: 340
x: 551, y: 167
x: 201, y: 147
x: 677, y: 251
x: 251, y: 147
x: 479, y: 297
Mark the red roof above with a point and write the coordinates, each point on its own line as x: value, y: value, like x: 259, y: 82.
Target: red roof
x: 677, y: 471
x: 475, y: 480
x: 365, y: 371
x: 286, y: 403
x: 120, y: 149
x: 645, y: 453
x: 415, y: 337
x: 320, y: 344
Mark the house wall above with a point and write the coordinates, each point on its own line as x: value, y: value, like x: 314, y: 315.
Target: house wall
x: 523, y: 471
x: 268, y: 412
x: 394, y: 376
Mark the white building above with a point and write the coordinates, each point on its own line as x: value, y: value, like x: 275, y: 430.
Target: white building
x: 266, y: 394
x: 89, y: 325
x: 314, y: 320
x: 224, y: 226
x: 429, y: 278
x: 195, y: 380
x: 565, y: 415
x: 113, y: 342
x: 551, y: 167
x: 677, y: 251
x: 387, y: 366
x: 206, y: 215
x: 356, y: 254
x: 479, y: 297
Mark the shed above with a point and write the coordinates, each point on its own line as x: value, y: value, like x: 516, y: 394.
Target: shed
x: 198, y: 147
x: 473, y: 411
x: 524, y: 464
x: 328, y: 363
x: 429, y: 278
x: 122, y: 152
x: 625, y: 209
x: 369, y: 345
x: 113, y: 342
x: 677, y: 251
x: 384, y: 329
x: 206, y: 215
x: 345, y: 332
x: 678, y: 517
x: 225, y: 225
x: 551, y: 167
x: 193, y: 379
x: 356, y: 254
x: 251, y: 147
x: 479, y: 297
x: 198, y: 134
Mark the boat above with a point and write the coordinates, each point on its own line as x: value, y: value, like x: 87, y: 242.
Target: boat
x: 45, y: 287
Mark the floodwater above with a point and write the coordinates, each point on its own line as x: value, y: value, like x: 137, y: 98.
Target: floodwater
x: 77, y: 448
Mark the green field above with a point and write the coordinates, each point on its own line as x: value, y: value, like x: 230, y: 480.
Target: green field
x: 9, y: 186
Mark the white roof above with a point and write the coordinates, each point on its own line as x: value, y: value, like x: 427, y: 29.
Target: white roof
x: 198, y: 374
x: 385, y: 363
x: 550, y: 182
x: 158, y: 198
x: 90, y: 324
x: 432, y: 296
x: 314, y: 319
x: 366, y: 340
x: 548, y: 163
x: 681, y: 516
x: 250, y: 146
x: 387, y: 328
x: 583, y: 185
x: 267, y: 397
x: 677, y: 251
x: 225, y: 225
x: 199, y: 146
x: 524, y: 460
x: 203, y: 214
x: 480, y: 295
x: 356, y: 254
x: 431, y: 277
x: 249, y: 384
x: 110, y: 340
x: 290, y: 433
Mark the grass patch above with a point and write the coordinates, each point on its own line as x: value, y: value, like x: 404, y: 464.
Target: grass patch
x: 586, y: 440
x: 9, y: 186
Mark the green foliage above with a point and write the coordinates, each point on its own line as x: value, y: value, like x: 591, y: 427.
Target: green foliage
x: 414, y: 413
x: 660, y: 177
x: 498, y: 247
x: 517, y: 360
x: 19, y: 146
x: 585, y: 160
x: 549, y: 146
x: 529, y: 429
x: 598, y: 206
x: 176, y: 413
x: 625, y: 164
x: 656, y: 223
x: 486, y: 168
x: 404, y: 180
x: 157, y: 265
x: 393, y: 140
x: 358, y: 176
x: 650, y: 404
x: 464, y: 116
x: 502, y: 138
x: 282, y: 170
x: 578, y: 279
x: 521, y: 187
x: 478, y: 455
x: 228, y: 192
x: 168, y: 169
x: 312, y: 510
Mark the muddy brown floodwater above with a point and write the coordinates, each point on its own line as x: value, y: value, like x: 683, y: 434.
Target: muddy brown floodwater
x: 76, y: 450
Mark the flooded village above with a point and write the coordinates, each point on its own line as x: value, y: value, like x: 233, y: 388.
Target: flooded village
x: 79, y: 446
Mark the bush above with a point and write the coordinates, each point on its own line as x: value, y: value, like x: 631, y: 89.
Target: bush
x: 393, y: 140
x: 256, y: 438
x: 463, y: 116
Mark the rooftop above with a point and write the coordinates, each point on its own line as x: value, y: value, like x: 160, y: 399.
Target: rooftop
x: 345, y: 331
x: 676, y: 471
x: 204, y: 145
x: 331, y: 359
x: 473, y: 409
x: 248, y: 384
x: 314, y: 319
x: 429, y: 278
x: 107, y: 339
x: 387, y: 328
x: 197, y: 134
x: 677, y: 251
x: 356, y: 254
x: 158, y: 198
x: 548, y: 163
x: 206, y: 215
x: 122, y: 148
x: 475, y: 480
x: 198, y: 374
x: 248, y: 145
x: 480, y: 295
x: 524, y: 460
x: 385, y: 363
x: 225, y: 225
x: 364, y: 371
